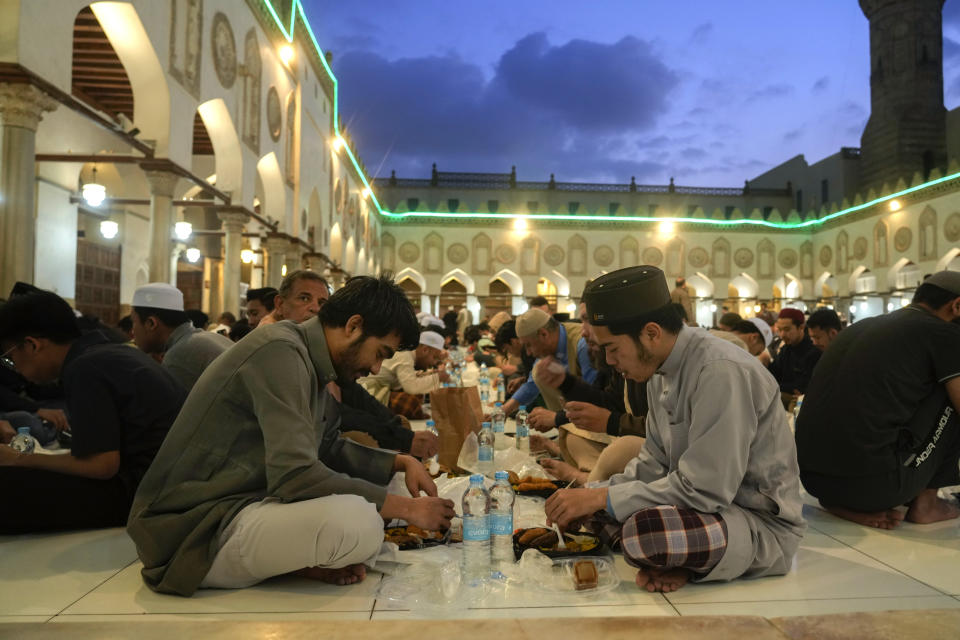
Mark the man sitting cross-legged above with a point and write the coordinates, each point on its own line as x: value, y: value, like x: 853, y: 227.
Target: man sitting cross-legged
x: 254, y: 481
x: 714, y: 493
x: 878, y: 427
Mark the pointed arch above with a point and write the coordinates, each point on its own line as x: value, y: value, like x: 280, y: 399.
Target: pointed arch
x: 481, y: 253
x: 512, y: 279
x: 228, y: 156
x: 388, y: 253
x: 274, y: 202
x: 720, y: 258
x: 433, y: 253
x: 462, y: 277
x: 411, y: 274
x: 843, y: 252
x: 766, y: 259
x: 745, y: 285
x: 881, y: 244
x: 928, y: 234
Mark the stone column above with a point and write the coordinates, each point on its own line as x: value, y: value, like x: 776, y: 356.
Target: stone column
x: 21, y: 109
x: 162, y: 184
x: 233, y: 224
x: 293, y: 256
x: 313, y: 262
x: 277, y: 246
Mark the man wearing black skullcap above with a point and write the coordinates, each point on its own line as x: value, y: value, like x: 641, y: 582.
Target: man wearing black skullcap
x: 715, y: 492
x: 878, y: 428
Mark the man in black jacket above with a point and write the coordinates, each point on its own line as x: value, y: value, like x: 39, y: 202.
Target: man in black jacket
x: 794, y: 365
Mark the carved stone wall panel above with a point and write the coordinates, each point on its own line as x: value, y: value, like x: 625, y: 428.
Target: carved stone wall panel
x: 765, y: 258
x: 576, y: 255
x: 698, y: 257
x: 720, y: 258
x: 433, y: 253
x: 186, y: 43
x: 553, y: 255
x: 788, y: 258
x: 457, y: 253
x: 826, y: 256
x: 530, y: 257
x: 603, y: 255
x: 806, y: 260
x: 880, y: 244
x: 409, y: 252
x: 629, y: 252
x: 652, y: 256
x: 951, y: 228
x: 675, y: 263
x: 482, y: 254
x: 506, y: 254
x: 340, y: 196
x: 388, y: 252
x: 224, y: 50
x: 274, y: 116
x: 860, y: 248
x: 250, y: 120
x: 743, y: 258
x: 843, y: 252
x: 928, y: 234
x: 902, y: 239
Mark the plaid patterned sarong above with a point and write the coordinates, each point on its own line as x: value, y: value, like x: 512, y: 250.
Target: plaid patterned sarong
x: 406, y: 405
x: 668, y: 537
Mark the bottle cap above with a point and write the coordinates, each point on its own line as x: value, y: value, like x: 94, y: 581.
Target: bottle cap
x: 23, y: 431
x: 476, y: 478
x: 484, y: 425
x: 498, y: 404
x: 431, y: 423
x: 501, y: 475
x: 523, y: 407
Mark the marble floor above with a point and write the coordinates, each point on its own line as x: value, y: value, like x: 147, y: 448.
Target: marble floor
x: 93, y: 576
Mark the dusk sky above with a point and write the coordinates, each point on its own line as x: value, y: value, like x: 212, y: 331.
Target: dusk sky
x: 711, y: 93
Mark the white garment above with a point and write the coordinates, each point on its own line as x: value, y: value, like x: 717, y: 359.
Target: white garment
x: 270, y: 538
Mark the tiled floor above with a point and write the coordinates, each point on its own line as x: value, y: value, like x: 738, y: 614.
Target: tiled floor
x: 841, y: 567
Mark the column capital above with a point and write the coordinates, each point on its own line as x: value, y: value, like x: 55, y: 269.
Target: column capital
x: 22, y: 105
x: 162, y: 183
x: 233, y: 221
x: 277, y: 242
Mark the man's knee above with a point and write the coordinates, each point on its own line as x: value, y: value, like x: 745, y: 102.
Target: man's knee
x: 355, y: 535
x: 666, y: 536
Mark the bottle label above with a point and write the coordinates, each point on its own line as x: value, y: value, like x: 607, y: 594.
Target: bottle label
x: 475, y: 528
x: 501, y: 524
x: 486, y: 454
x: 498, y: 427
x: 522, y: 431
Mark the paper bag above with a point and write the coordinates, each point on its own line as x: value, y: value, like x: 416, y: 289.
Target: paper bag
x: 457, y: 413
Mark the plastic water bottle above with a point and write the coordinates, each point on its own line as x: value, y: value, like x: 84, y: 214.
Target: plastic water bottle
x: 476, y: 530
x: 501, y: 389
x: 499, y: 419
x: 434, y: 462
x: 484, y: 384
x: 523, y: 431
x: 23, y: 441
x: 485, y: 453
x: 501, y: 520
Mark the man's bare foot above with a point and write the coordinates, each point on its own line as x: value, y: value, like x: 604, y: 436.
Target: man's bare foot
x: 347, y: 575
x: 888, y: 519
x: 539, y: 443
x: 563, y: 471
x: 662, y: 580
x: 928, y: 507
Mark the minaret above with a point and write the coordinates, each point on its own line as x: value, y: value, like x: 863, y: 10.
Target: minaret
x: 906, y: 132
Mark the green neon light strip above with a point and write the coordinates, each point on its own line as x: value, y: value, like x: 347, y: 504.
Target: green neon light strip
x: 288, y: 33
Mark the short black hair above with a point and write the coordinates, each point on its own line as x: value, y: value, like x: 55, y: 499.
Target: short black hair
x: 471, y: 334
x: 264, y: 294
x: 824, y: 319
x: 539, y: 301
x: 382, y: 304
x: 286, y: 287
x: 125, y: 324
x: 729, y: 319
x: 506, y: 333
x: 41, y: 314
x: 933, y: 296
x: 679, y: 309
x: 231, y: 319
x: 199, y: 319
x: 666, y: 316
x: 745, y: 326
x: 240, y: 329
x: 169, y: 317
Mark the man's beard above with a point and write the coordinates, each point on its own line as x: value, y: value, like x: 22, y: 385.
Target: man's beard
x: 348, y: 368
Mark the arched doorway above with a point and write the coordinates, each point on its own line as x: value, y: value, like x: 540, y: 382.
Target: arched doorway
x: 453, y: 293
x: 499, y: 299
x: 413, y: 291
x: 548, y: 290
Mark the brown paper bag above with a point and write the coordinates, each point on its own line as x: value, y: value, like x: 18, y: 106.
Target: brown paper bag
x: 457, y: 413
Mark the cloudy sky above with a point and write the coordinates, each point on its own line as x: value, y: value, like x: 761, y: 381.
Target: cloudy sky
x: 711, y: 93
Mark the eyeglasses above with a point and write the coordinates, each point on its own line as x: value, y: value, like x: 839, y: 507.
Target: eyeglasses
x: 5, y: 359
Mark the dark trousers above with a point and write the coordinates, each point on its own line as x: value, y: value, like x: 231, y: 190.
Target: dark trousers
x: 35, y: 500
x: 931, y: 465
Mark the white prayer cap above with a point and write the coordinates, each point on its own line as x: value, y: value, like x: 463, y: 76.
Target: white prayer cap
x: 765, y: 330
x: 158, y: 295
x: 432, y: 339
x: 430, y: 320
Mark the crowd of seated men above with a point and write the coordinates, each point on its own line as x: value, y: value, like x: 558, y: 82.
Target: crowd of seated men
x: 220, y: 446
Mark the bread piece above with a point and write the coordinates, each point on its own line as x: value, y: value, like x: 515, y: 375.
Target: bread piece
x: 547, y: 540
x: 585, y: 575
x: 527, y: 536
x: 513, y: 477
